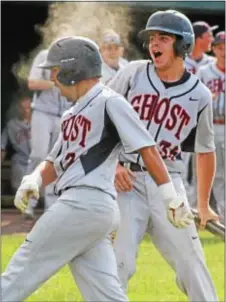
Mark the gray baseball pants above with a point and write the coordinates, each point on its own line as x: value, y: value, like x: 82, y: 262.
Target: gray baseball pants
x: 219, y: 180
x: 74, y: 232
x: 142, y: 210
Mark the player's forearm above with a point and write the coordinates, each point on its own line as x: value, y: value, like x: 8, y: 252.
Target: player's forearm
x: 40, y: 85
x: 205, y: 167
x: 155, y: 165
x: 47, y: 173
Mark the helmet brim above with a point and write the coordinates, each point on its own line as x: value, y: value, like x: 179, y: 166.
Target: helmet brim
x: 48, y: 65
x: 145, y: 33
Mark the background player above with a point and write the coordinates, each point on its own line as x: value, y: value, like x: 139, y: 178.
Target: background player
x: 111, y: 52
x: 197, y: 58
x: 47, y: 108
x: 76, y: 228
x: 203, y: 41
x: 17, y: 134
x: 176, y: 108
x: 213, y: 76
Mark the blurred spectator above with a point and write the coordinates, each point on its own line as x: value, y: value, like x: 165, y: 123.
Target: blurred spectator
x: 112, y: 54
x: 17, y: 134
x: 213, y: 76
x: 47, y: 108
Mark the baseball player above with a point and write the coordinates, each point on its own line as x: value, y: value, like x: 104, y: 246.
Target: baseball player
x: 47, y: 108
x: 111, y: 52
x: 213, y: 76
x: 197, y: 58
x: 17, y: 134
x: 83, y: 161
x: 175, y: 107
x: 203, y: 40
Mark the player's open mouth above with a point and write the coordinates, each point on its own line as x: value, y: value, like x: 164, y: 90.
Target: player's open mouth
x: 157, y: 54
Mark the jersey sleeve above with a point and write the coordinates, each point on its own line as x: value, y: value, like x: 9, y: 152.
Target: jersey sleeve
x: 37, y: 73
x: 4, y: 139
x: 132, y: 132
x: 204, y: 141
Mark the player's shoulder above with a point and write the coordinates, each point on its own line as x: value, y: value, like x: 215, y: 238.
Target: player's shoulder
x: 202, y: 91
x: 68, y: 112
x: 137, y: 64
x: 109, y: 94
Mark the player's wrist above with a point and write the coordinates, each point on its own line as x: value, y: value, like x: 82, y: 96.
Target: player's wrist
x: 167, y: 191
x: 36, y: 177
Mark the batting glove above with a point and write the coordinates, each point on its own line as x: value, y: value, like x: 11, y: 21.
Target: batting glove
x: 178, y: 212
x: 29, y: 188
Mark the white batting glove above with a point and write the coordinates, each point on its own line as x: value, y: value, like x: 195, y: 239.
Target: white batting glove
x: 29, y: 188
x: 178, y: 212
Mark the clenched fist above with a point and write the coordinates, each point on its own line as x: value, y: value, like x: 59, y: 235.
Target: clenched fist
x: 179, y: 213
x: 29, y: 188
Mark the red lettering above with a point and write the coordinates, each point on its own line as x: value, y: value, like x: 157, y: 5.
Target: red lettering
x: 86, y: 126
x: 72, y: 126
x: 136, y: 103
x: 172, y: 120
x: 161, y: 111
x: 67, y: 127
x: 148, y: 106
x: 185, y: 118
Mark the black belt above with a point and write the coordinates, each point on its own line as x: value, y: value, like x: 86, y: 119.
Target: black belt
x: 133, y: 167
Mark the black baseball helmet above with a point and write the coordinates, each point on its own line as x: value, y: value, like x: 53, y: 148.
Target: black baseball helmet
x: 78, y: 58
x: 172, y: 22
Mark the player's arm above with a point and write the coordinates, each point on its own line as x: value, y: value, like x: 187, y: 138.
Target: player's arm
x: 36, y: 79
x: 43, y: 175
x: 35, y: 85
x: 205, y: 161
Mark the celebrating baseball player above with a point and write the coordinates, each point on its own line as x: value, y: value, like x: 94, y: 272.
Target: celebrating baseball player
x: 176, y: 108
x: 47, y: 108
x: 17, y: 134
x: 83, y: 161
x: 111, y: 52
x: 213, y: 76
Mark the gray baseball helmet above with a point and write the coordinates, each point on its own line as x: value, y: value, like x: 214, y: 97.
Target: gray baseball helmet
x: 78, y: 58
x: 172, y: 22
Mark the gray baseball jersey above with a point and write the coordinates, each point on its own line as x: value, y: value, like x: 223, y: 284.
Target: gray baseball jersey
x: 90, y: 140
x: 178, y: 117
x: 108, y: 72
x: 50, y: 100
x: 17, y: 132
x: 214, y: 79
x: 193, y: 65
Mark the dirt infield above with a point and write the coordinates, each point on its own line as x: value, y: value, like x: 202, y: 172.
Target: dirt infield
x: 13, y: 222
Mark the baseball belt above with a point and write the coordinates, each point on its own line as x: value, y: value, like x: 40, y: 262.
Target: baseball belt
x: 133, y: 167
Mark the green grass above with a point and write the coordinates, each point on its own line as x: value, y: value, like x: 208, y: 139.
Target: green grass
x: 153, y: 281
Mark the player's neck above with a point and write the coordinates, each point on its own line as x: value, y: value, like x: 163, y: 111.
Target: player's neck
x: 196, y: 54
x: 220, y: 66
x: 172, y: 73
x: 83, y: 88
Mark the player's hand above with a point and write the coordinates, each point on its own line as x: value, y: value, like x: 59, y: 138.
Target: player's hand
x: 28, y: 189
x: 206, y: 214
x: 124, y: 179
x: 179, y: 213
